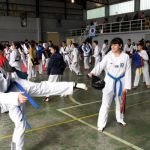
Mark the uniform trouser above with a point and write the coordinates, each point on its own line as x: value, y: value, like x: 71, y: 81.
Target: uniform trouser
x: 86, y: 62
x: 20, y: 125
x: 43, y: 59
x: 31, y: 70
x: 146, y: 76
x: 104, y: 110
x: 76, y: 68
x: 54, y: 78
x: 90, y: 59
x: 67, y: 60
x: 47, y: 61
x: 44, y: 88
x: 40, y: 66
x: 97, y: 60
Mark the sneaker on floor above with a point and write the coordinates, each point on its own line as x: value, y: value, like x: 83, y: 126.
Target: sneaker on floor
x: 122, y: 123
x: 100, y: 129
x: 79, y: 74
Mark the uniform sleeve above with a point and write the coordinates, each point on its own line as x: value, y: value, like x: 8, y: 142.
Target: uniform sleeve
x: 61, y: 51
x: 96, y: 51
x: 128, y: 75
x: 75, y: 56
x: 103, y: 47
x: 12, y: 57
x: 144, y: 55
x: 100, y: 67
x: 9, y: 98
x: 125, y: 48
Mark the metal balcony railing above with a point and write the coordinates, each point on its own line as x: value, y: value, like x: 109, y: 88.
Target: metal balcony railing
x: 123, y: 26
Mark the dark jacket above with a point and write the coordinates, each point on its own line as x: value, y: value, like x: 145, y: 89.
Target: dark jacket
x: 56, y: 65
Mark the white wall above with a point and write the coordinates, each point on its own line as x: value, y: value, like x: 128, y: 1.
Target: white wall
x: 51, y: 25
x: 11, y: 30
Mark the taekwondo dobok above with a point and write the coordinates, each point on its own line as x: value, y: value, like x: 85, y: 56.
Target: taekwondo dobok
x: 75, y: 64
x: 117, y: 80
x: 140, y: 59
x: 11, y: 88
x: 97, y: 53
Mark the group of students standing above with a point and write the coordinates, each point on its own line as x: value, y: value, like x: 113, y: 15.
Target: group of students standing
x: 115, y: 60
x: 55, y: 59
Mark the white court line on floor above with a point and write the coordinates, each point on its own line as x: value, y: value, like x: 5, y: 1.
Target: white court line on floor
x: 74, y: 101
x: 105, y: 133
x: 91, y: 126
x: 84, y: 104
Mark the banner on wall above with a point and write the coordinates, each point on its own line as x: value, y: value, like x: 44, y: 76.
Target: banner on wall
x: 92, y: 31
x: 23, y: 19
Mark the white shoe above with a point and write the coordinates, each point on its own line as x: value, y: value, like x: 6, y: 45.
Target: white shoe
x: 100, y: 129
x: 122, y: 123
x: 81, y: 86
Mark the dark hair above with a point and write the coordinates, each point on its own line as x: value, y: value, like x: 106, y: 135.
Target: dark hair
x: 1, y: 47
x: 6, y: 45
x: 96, y: 42
x: 140, y: 43
x: 55, y: 48
x: 129, y: 40
x: 117, y: 40
x: 32, y: 44
x: 92, y: 23
x: 64, y: 42
x: 105, y: 41
x: 75, y: 45
x: 40, y: 42
x: 15, y: 44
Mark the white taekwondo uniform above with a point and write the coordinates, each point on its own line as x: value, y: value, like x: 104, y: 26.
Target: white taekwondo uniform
x: 96, y: 55
x: 75, y: 65
x: 115, y: 67
x: 86, y: 54
x: 145, y: 69
x: 65, y: 51
x: 14, y: 59
x: 41, y: 89
x: 104, y: 49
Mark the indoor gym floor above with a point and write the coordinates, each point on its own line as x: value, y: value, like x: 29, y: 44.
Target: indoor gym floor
x: 69, y: 123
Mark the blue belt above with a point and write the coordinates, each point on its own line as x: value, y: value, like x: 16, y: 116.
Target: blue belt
x: 118, y: 79
x: 31, y: 101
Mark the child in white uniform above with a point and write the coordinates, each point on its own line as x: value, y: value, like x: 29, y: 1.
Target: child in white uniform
x: 86, y: 54
x: 105, y: 48
x: 96, y: 52
x: 144, y: 69
x: 15, y: 57
x: 75, y: 66
x: 117, y: 81
x: 65, y: 51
